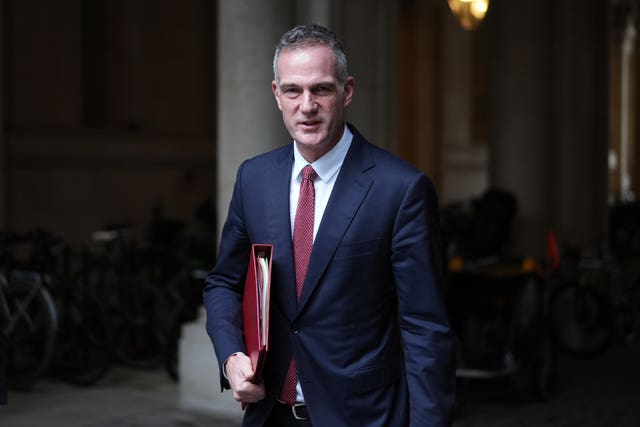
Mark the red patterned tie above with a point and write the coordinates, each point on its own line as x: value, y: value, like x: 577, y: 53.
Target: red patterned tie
x: 302, y: 244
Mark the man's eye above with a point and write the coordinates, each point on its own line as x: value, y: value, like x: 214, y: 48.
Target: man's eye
x: 290, y: 92
x: 323, y: 90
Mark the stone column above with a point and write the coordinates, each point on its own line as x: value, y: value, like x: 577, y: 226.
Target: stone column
x: 548, y: 117
x: 313, y: 11
x: 580, y: 120
x: 248, y: 123
x: 367, y: 28
x: 464, y: 147
x: 520, y: 102
x: 3, y: 138
x: 419, y: 90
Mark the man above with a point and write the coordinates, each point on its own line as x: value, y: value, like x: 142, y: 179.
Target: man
x: 359, y: 335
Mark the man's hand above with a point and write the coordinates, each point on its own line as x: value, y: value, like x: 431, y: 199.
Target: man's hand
x: 239, y: 373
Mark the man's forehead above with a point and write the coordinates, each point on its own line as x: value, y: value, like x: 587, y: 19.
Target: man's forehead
x: 305, y: 68
x: 303, y: 46
x: 296, y: 80
x: 315, y: 51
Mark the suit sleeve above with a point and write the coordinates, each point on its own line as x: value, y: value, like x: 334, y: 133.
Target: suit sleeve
x: 224, y: 285
x: 427, y: 338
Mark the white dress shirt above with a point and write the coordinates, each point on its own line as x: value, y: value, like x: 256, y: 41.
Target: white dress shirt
x: 327, y: 168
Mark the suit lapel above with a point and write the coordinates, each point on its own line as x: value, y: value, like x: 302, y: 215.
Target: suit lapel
x: 347, y: 195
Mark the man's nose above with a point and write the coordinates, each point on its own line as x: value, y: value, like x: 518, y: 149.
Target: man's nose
x: 309, y: 104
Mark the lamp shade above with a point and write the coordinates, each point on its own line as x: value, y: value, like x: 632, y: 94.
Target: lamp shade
x: 469, y: 13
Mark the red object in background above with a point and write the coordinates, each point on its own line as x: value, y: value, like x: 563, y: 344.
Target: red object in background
x: 553, y: 257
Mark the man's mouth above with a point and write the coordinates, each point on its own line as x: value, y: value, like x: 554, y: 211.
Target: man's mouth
x: 310, y: 125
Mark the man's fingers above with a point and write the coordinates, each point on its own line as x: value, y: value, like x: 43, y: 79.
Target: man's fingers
x: 248, y: 392
x: 240, y: 374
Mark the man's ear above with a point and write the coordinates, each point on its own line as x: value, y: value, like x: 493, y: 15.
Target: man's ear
x: 349, y: 87
x: 276, y: 93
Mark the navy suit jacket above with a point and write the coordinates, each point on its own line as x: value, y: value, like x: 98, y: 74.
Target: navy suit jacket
x: 370, y: 333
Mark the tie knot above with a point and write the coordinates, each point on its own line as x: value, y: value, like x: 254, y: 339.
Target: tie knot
x: 308, y: 173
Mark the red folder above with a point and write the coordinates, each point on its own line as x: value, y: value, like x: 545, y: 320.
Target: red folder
x: 255, y: 307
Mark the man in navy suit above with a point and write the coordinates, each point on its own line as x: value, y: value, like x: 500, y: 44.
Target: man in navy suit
x: 368, y: 332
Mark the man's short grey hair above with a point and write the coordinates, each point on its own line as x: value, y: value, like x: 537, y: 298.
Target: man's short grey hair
x: 312, y: 35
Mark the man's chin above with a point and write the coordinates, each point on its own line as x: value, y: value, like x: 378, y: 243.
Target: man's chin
x: 309, y: 140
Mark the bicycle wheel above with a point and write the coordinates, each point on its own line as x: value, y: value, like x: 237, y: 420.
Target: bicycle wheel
x: 32, y: 333
x: 136, y: 340
x: 581, y: 320
x: 83, y: 353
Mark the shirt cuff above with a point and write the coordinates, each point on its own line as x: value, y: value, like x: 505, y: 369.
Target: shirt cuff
x: 224, y: 365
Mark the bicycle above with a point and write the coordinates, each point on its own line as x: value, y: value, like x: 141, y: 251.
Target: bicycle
x: 185, y: 254
x: 157, y: 288
x: 28, y: 316
x: 83, y: 355
x: 627, y: 314
x: 29, y: 327
x: 80, y: 354
x: 624, y: 234
x: 116, y: 272
x: 588, y: 302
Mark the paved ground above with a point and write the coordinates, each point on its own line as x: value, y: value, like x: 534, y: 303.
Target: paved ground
x: 599, y: 393
x: 126, y: 398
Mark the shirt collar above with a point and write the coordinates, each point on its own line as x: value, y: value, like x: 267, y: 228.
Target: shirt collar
x: 327, y: 165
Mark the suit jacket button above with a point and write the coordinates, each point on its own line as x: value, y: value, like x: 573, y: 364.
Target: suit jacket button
x: 295, y: 330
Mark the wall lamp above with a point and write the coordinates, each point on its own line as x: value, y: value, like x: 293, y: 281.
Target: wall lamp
x: 469, y: 13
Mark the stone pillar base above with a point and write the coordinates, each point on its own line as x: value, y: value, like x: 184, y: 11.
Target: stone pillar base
x: 199, y: 387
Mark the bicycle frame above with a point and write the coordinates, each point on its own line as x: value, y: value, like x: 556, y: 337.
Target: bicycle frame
x: 21, y: 306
